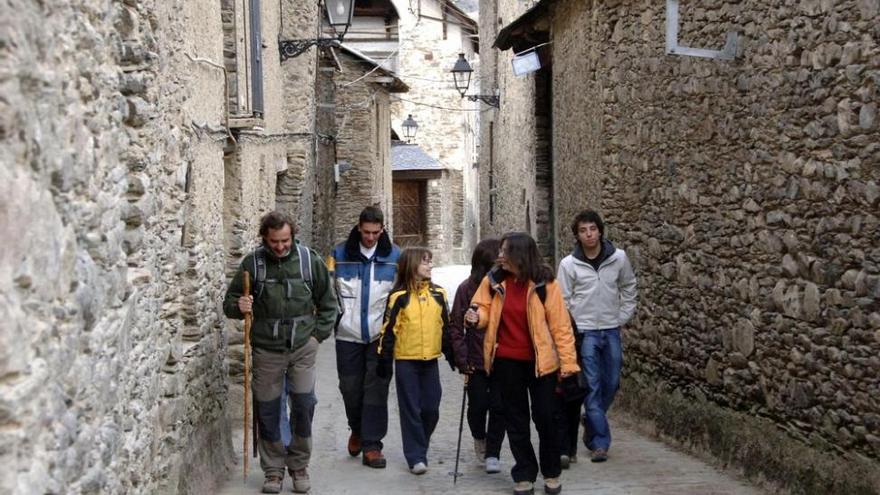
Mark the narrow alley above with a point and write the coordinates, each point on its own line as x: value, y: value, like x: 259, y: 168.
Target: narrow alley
x: 637, y: 466
x: 718, y: 161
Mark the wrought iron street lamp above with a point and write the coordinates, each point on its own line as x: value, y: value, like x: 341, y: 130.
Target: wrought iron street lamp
x: 339, y: 14
x: 410, y: 128
x: 461, y: 74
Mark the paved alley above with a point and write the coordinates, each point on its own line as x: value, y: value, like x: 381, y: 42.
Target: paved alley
x: 637, y: 464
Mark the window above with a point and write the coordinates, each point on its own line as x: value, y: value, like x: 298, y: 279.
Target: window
x: 243, y: 57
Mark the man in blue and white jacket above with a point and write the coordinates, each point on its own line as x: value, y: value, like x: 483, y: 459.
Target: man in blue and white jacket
x: 599, y: 288
x: 363, y: 268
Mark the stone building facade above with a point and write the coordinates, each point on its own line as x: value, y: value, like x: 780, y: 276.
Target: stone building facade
x: 136, y: 163
x: 420, y: 42
x: 746, y: 193
x: 363, y: 117
x: 515, y: 192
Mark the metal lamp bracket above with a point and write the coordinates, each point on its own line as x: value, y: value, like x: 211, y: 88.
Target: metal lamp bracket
x: 673, y: 48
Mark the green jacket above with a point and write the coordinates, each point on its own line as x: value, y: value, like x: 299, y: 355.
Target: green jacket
x: 286, y: 313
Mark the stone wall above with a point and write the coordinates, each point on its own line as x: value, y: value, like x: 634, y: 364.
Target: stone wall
x: 508, y: 151
x: 746, y: 194
x: 364, y: 140
x: 111, y: 359
x: 126, y: 202
x: 439, y: 214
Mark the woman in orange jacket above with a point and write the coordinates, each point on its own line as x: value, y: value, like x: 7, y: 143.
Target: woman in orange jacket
x: 527, y: 348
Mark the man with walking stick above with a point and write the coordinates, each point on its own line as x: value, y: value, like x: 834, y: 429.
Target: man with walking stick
x: 293, y: 306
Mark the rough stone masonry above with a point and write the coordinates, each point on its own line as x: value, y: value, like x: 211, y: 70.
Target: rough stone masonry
x: 111, y: 372
x: 125, y: 200
x: 746, y: 193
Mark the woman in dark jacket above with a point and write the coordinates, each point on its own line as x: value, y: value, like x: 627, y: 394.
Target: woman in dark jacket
x: 467, y: 345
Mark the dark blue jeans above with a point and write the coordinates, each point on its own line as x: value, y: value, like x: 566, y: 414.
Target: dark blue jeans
x: 418, y: 398
x: 601, y: 358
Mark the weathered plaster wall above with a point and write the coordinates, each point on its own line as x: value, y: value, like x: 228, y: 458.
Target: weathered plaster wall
x: 746, y: 193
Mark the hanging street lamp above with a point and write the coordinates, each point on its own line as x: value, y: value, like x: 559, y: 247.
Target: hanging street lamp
x: 410, y: 128
x: 461, y: 75
x: 339, y: 15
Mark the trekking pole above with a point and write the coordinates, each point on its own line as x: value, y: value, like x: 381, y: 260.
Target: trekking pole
x: 460, y: 427
x: 467, y: 328
x: 248, y: 319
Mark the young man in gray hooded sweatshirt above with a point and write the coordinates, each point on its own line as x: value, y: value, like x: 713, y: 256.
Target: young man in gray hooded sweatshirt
x: 599, y: 288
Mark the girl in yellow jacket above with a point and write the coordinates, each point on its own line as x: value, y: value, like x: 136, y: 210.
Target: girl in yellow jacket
x: 416, y: 318
x: 527, y: 348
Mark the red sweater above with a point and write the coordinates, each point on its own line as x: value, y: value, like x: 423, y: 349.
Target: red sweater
x: 514, y: 339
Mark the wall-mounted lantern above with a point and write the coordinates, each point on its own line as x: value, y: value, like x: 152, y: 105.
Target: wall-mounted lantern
x: 339, y: 14
x: 410, y: 128
x: 461, y: 74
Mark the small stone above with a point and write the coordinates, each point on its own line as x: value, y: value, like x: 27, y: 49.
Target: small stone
x: 789, y: 265
x: 778, y: 295
x: 872, y: 192
x: 791, y: 302
x: 868, y: 116
x: 811, y: 301
x: 848, y: 279
x: 751, y: 206
x: 713, y: 372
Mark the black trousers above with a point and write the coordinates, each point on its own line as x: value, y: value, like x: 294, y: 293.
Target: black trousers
x: 484, y: 413
x: 364, y: 394
x: 568, y: 421
x: 517, y: 384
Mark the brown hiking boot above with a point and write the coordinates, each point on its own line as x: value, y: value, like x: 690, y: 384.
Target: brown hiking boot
x: 374, y: 459
x: 301, y: 481
x: 272, y: 483
x: 354, y: 444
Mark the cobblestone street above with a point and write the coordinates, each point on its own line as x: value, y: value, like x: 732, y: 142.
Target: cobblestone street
x: 637, y: 464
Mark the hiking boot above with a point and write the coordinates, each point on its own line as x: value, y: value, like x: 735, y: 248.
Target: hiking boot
x: 552, y: 486
x: 524, y: 488
x: 354, y: 444
x: 374, y: 459
x: 493, y: 465
x: 301, y: 482
x: 599, y: 455
x: 419, y: 468
x: 273, y: 483
x: 564, y: 461
x: 480, y: 447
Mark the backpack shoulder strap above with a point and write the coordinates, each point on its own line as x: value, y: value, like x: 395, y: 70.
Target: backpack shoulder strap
x: 441, y: 301
x: 305, y: 265
x: 541, y: 290
x: 259, y: 271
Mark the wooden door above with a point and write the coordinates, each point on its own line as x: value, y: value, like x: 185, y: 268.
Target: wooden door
x: 409, y: 212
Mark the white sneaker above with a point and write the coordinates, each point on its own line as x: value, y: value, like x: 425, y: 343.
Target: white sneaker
x: 493, y: 465
x: 419, y: 468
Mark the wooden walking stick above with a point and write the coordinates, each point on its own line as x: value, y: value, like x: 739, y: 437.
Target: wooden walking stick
x: 248, y: 319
